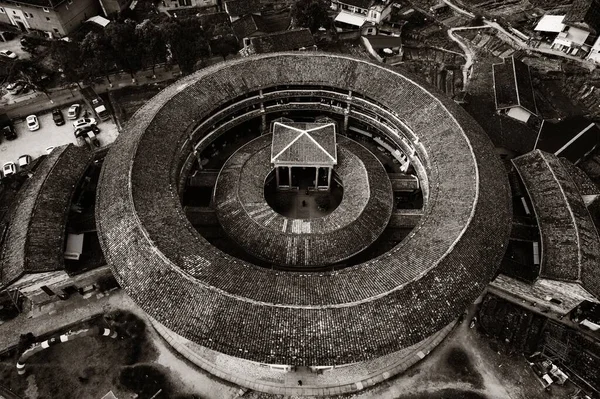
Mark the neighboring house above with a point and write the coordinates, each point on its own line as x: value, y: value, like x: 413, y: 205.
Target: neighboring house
x: 383, y: 45
x: 112, y: 7
x: 56, y: 18
x: 289, y: 40
x: 354, y: 13
x: 549, y: 275
x: 569, y: 39
x: 239, y: 8
x: 573, y: 32
x: 257, y: 25
x: 249, y: 26
x: 585, y: 15
x: 574, y: 138
x: 172, y: 4
x: 32, y: 250
x: 513, y: 89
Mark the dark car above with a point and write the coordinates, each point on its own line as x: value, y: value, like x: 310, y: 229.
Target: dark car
x: 57, y: 117
x: 7, y: 128
x: 82, y: 131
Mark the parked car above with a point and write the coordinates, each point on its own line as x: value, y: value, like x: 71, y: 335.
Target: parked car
x: 73, y: 112
x: 9, y: 168
x: 84, y: 122
x: 7, y: 128
x: 82, y: 131
x: 33, y: 123
x: 8, y: 54
x: 16, y: 88
x: 91, y: 139
x: 24, y: 161
x: 57, y: 117
x: 8, y: 35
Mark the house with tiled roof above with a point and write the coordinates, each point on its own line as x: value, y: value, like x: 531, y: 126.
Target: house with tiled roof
x: 513, y: 89
x: 34, y: 232
x: 565, y: 256
x: 239, y: 8
x: 551, y: 269
x: 573, y: 138
x: 206, y: 6
x: 289, y: 40
x: 354, y: 13
x: 55, y: 18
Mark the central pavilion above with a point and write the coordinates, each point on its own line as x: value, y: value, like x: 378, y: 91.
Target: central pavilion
x: 303, y: 149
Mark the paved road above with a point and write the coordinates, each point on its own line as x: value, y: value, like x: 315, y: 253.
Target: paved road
x: 7, y: 394
x: 63, y: 96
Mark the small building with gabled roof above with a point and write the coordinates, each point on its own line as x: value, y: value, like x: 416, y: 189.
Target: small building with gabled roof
x: 303, y: 146
x: 513, y: 89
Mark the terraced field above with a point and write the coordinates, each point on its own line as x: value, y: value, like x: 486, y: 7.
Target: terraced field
x: 511, y: 9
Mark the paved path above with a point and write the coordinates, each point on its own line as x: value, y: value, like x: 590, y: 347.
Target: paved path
x: 519, y: 42
x: 469, y: 54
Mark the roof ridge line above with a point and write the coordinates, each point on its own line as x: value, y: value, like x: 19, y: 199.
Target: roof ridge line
x: 319, y: 145
x: 568, y: 204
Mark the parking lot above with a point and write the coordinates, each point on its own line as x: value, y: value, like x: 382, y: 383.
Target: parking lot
x: 35, y: 143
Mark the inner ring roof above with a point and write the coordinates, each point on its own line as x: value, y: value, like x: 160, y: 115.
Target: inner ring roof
x: 355, y: 224
x: 358, y: 313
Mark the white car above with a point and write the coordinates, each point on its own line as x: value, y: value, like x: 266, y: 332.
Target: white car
x: 84, y: 122
x: 74, y: 111
x: 24, y: 161
x: 9, y: 168
x: 33, y: 123
x: 8, y: 54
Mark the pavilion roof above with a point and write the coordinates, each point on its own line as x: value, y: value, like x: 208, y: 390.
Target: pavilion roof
x: 304, y: 144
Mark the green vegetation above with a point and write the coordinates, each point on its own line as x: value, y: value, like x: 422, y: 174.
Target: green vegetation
x: 311, y: 14
x: 88, y: 367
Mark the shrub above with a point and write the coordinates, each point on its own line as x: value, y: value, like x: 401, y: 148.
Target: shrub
x: 145, y: 380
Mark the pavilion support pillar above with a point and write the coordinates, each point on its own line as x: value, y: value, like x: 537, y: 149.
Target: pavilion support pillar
x: 277, y: 176
x: 317, y: 178
x: 346, y: 114
x: 290, y: 175
x: 199, y: 158
x: 263, y: 119
x: 328, y: 178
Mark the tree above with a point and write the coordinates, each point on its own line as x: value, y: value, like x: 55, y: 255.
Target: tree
x: 126, y: 46
x: 66, y: 58
x: 311, y: 14
x: 97, y: 56
x: 186, y: 42
x: 32, y: 73
x: 224, y: 46
x: 154, y: 46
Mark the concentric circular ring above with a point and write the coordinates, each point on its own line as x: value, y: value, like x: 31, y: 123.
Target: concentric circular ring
x: 269, y: 316
x: 357, y: 222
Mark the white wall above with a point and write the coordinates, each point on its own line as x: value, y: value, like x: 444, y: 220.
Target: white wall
x: 519, y: 114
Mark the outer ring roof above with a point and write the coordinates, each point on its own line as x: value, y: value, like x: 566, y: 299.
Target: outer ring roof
x: 275, y: 317
x: 355, y: 224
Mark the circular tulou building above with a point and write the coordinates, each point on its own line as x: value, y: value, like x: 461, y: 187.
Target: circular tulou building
x: 301, y: 263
